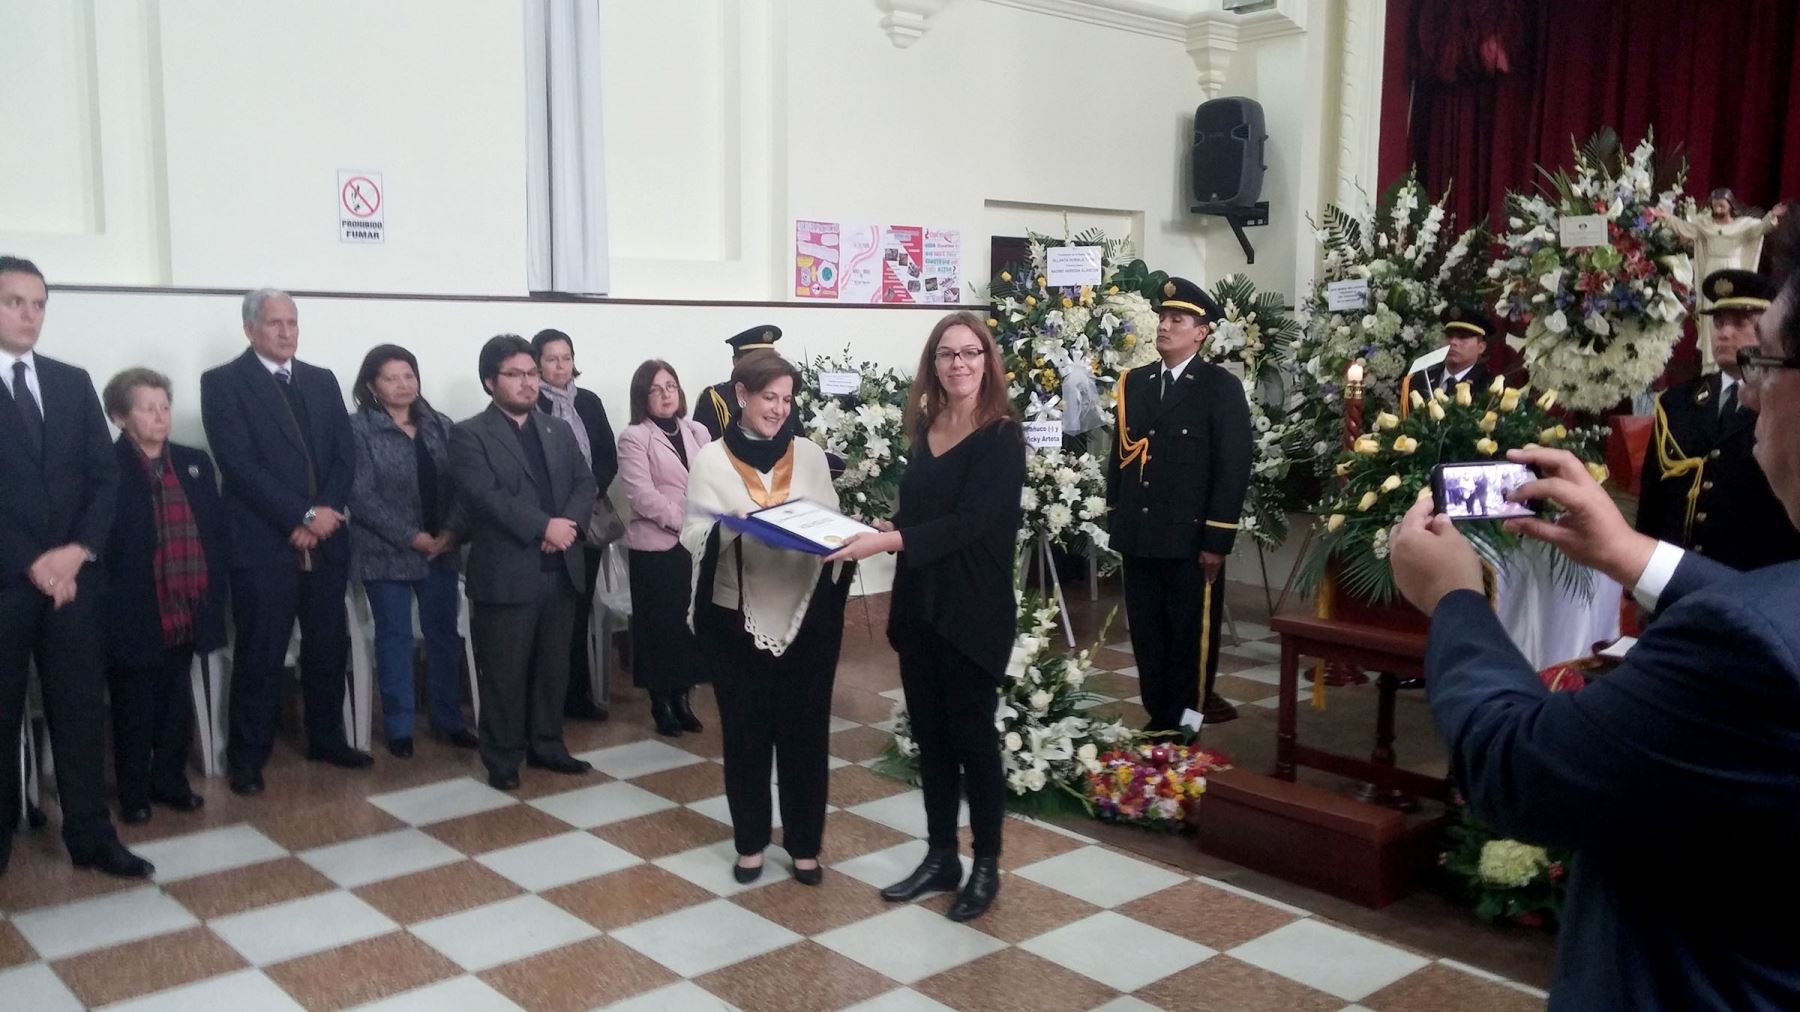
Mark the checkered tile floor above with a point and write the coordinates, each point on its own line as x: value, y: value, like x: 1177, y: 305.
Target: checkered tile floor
x: 415, y: 886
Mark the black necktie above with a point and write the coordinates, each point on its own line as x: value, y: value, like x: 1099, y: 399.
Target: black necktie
x: 29, y: 412
x: 1729, y: 403
x: 282, y: 375
x: 1168, y: 380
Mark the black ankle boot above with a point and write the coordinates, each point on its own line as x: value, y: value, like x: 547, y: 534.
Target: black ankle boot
x: 684, y: 714
x: 979, y: 892
x: 940, y: 871
x: 664, y: 715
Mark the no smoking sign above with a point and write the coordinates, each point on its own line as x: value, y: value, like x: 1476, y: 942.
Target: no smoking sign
x: 361, y: 206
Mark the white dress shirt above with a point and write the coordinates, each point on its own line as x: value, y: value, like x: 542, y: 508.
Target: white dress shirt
x: 31, y: 375
x: 1656, y: 575
x: 1174, y: 372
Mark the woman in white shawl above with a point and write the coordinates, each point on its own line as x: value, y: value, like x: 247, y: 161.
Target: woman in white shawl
x: 1723, y: 239
x: 769, y: 621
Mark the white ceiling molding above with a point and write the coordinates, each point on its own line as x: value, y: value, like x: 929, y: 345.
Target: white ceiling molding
x: 1212, y: 41
x: 1177, y: 20
x: 907, y: 21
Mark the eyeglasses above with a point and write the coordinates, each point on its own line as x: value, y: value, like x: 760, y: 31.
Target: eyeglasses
x: 519, y: 374
x: 1759, y: 368
x: 945, y: 356
x: 665, y: 388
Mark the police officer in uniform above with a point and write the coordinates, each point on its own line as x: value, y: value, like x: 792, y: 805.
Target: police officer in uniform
x: 1176, y: 481
x: 1465, y: 353
x: 718, y: 405
x: 1702, y: 487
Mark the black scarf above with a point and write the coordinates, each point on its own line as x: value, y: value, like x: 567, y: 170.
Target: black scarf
x: 671, y: 427
x: 762, y: 454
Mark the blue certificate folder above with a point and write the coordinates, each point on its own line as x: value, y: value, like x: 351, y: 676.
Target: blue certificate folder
x: 773, y: 536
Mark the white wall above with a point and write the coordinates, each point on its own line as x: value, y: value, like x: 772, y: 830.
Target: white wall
x: 196, y: 143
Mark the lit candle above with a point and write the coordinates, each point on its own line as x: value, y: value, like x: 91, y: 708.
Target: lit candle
x: 1353, y: 375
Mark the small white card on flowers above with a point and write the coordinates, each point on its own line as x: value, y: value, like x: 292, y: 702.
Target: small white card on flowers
x: 1071, y: 265
x: 1044, y: 435
x: 1575, y: 231
x: 1352, y: 293
x: 832, y: 384
x: 1191, y: 719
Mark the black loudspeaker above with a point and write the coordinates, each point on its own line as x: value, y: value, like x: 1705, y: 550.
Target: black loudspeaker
x: 1227, y: 162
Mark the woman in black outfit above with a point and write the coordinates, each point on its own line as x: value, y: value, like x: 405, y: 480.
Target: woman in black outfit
x: 952, y: 614
x: 166, y: 556
x: 559, y: 397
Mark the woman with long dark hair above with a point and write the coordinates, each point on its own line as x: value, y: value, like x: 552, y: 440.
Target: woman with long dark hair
x: 952, y: 613
x: 402, y: 545
x: 655, y: 452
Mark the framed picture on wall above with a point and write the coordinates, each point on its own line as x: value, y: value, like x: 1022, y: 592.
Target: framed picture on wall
x: 1008, y: 253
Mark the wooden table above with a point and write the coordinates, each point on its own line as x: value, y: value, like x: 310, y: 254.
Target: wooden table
x: 1396, y: 654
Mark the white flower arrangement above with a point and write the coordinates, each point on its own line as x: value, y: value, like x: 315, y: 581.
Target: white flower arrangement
x: 1252, y: 341
x: 1047, y: 737
x: 1601, y: 321
x: 1064, y: 500
x: 864, y: 428
x: 1399, y: 249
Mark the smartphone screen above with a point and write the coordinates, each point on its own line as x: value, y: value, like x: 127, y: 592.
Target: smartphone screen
x: 1478, y: 490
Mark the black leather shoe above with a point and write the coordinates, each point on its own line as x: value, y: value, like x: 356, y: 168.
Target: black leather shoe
x: 134, y: 816
x: 342, y: 756
x: 1216, y: 710
x: 248, y: 783
x: 744, y: 875
x: 684, y: 714
x: 400, y: 748
x: 940, y: 871
x: 462, y: 737
x: 979, y: 892
x: 503, y: 781
x: 586, y: 710
x: 809, y: 876
x: 663, y: 713
x: 113, y: 859
x: 559, y: 764
x: 181, y: 801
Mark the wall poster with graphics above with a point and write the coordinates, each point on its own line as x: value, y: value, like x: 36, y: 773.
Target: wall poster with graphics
x: 900, y: 264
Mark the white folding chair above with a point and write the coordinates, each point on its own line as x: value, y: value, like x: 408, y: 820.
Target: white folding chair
x: 209, y: 682
x: 30, y: 775
x: 359, y: 701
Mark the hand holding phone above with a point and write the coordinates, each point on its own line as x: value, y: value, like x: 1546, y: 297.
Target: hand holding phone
x: 1477, y: 490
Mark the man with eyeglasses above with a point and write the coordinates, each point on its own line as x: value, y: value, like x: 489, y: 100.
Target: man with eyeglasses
x: 527, y: 491
x: 1702, y: 488
x: 278, y: 428
x: 1675, y: 777
x: 1175, y: 482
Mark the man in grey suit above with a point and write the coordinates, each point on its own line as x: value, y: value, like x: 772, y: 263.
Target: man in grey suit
x: 520, y: 475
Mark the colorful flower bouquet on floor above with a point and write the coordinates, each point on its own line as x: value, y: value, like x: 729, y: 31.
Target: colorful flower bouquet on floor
x: 1503, y: 880
x: 1151, y: 783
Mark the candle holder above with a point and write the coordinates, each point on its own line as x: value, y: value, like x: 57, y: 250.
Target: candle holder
x: 1353, y: 403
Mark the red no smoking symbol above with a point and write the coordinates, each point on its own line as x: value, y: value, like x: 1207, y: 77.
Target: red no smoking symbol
x: 361, y: 196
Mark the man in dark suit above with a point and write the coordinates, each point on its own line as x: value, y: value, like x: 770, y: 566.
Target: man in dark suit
x: 1673, y: 776
x: 1176, y: 481
x: 1702, y: 487
x: 528, y: 493
x: 282, y: 439
x: 1466, y: 333
x: 58, y: 481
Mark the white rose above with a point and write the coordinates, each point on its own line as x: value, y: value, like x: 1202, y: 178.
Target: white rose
x: 1040, y: 700
x: 1087, y: 753
x: 1035, y: 780
x: 1014, y: 742
x: 1028, y: 499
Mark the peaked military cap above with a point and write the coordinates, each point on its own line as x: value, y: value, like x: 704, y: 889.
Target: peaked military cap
x: 1187, y: 297
x: 1737, y: 291
x: 1465, y: 321
x: 763, y: 335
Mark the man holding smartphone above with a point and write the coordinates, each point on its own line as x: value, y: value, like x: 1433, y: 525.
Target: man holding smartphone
x: 1688, y: 747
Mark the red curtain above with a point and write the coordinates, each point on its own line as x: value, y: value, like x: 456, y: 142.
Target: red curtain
x: 1479, y: 92
x: 1716, y: 78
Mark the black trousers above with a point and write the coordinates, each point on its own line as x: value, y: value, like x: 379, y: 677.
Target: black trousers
x: 153, y: 723
x: 665, y: 657
x: 950, y: 702
x: 779, y: 707
x: 67, y: 645
x: 1176, y: 625
x: 265, y: 602
x: 581, y: 679
x: 522, y: 670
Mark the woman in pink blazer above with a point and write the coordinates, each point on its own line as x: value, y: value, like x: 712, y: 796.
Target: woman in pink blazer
x: 654, y: 453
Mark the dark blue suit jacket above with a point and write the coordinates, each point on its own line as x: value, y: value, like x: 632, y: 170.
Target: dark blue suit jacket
x: 134, y: 635
x: 62, y: 492
x: 1676, y: 779
x: 270, y: 482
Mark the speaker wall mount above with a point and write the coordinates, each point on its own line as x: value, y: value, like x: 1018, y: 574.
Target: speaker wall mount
x: 1239, y: 217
